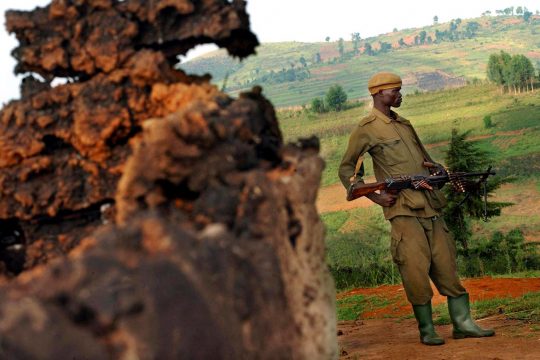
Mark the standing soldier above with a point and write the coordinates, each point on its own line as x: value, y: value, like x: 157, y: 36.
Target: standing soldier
x: 421, y: 244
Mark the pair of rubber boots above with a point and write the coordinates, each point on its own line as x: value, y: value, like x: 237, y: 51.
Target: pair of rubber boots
x: 460, y: 313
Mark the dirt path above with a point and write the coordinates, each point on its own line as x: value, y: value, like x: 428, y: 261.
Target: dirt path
x: 332, y: 198
x: 375, y: 336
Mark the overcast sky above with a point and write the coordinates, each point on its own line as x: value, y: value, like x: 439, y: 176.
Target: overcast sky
x: 304, y: 20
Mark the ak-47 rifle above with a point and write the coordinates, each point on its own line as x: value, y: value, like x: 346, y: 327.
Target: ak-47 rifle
x: 417, y: 182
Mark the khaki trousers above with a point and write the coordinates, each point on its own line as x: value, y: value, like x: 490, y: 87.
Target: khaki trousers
x: 423, y: 248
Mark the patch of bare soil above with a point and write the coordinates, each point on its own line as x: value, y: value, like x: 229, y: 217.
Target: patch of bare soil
x: 332, y: 198
x: 384, y: 336
x: 391, y: 339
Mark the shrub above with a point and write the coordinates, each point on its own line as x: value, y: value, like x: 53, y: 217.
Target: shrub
x: 336, y: 97
x: 317, y: 105
x: 487, y: 122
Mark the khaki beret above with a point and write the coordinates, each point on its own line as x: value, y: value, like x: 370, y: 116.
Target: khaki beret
x: 382, y: 81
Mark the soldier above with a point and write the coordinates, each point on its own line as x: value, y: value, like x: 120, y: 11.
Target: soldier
x: 421, y: 244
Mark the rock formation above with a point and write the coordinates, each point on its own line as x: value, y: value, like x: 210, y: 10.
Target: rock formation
x: 143, y: 213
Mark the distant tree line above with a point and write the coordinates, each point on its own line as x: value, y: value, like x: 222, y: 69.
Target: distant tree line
x: 511, y: 72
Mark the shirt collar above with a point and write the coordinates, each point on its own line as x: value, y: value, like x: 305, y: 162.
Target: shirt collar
x: 387, y: 119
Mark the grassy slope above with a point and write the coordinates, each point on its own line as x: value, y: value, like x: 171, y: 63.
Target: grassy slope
x: 465, y: 57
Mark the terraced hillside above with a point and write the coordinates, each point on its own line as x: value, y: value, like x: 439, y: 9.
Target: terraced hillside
x: 291, y: 75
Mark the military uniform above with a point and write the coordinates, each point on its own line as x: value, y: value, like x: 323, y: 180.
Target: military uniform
x: 421, y: 245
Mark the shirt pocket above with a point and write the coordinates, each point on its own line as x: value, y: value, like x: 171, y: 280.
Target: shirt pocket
x: 391, y: 151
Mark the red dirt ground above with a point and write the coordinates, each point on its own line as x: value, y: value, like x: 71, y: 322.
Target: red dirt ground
x: 381, y: 337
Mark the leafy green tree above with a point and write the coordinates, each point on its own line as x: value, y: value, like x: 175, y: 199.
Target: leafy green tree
x: 527, y: 16
x: 317, y: 105
x: 471, y: 29
x: 422, y: 37
x: 341, y: 47
x: 384, y: 47
x: 355, y: 37
x: 368, y: 49
x: 336, y: 98
x: 497, y: 69
x: 519, y: 10
x: 465, y: 156
x: 327, y: 39
x: 435, y: 20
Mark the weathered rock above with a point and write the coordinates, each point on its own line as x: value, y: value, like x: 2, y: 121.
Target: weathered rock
x: 80, y: 38
x: 169, y: 219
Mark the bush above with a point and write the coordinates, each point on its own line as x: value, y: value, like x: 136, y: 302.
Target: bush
x: 502, y: 254
x: 336, y: 97
x: 487, y: 122
x: 317, y: 105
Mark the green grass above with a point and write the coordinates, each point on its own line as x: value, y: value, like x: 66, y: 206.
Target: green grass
x: 351, y: 307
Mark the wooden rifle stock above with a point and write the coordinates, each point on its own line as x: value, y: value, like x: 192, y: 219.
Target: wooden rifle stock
x: 358, y: 190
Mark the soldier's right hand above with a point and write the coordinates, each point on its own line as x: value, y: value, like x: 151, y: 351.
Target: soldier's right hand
x: 383, y: 199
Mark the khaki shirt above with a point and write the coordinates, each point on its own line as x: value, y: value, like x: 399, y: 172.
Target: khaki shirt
x: 396, y: 150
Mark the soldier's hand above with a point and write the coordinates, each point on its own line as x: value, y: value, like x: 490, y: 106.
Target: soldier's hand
x: 383, y: 199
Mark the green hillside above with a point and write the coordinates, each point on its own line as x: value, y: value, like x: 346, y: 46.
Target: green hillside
x: 446, y: 58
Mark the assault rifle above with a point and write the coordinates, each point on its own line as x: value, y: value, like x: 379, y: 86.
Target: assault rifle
x: 395, y: 184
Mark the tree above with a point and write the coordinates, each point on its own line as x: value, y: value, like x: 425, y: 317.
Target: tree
x: 435, y: 20
x: 519, y: 10
x: 368, y: 50
x: 527, y: 16
x: 336, y: 98
x: 317, y: 105
x: 422, y: 37
x: 384, y: 46
x: 471, y: 29
x: 465, y: 156
x: 341, y: 47
x: 327, y: 39
x: 498, y: 69
x: 355, y: 37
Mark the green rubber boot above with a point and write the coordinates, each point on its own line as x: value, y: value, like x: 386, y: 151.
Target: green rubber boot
x: 423, y: 316
x: 464, y: 325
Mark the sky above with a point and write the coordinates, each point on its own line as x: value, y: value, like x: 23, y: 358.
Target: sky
x: 302, y: 20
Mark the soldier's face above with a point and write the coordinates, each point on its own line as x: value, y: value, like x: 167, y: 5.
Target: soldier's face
x: 392, y: 97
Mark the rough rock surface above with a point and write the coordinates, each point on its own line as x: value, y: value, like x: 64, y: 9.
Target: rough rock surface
x: 169, y: 220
